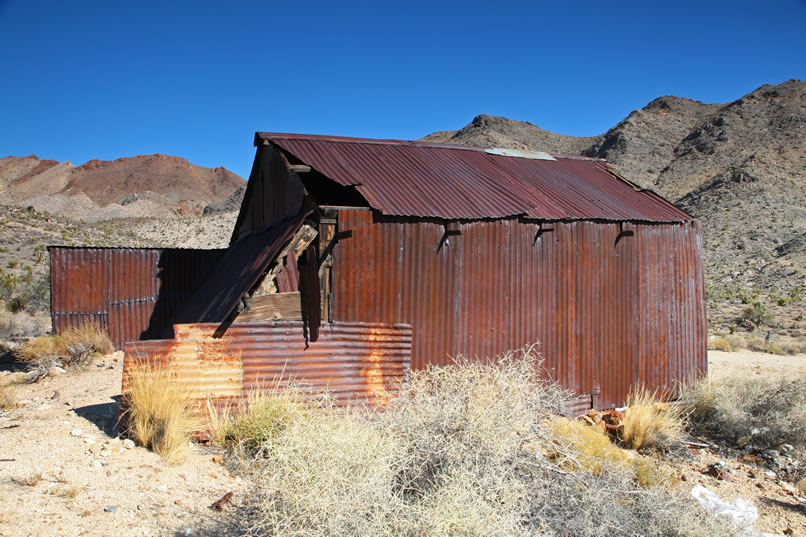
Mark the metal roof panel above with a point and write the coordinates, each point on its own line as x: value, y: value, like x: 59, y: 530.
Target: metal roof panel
x: 403, y: 178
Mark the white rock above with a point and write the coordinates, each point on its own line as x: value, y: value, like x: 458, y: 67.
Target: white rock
x: 89, y: 441
x: 128, y: 443
x: 162, y: 487
x: 58, y: 371
x: 76, y: 432
x: 97, y: 464
x: 105, y: 453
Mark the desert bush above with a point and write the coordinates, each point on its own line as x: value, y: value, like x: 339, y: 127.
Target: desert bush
x: 331, y: 474
x: 34, y: 294
x: 758, y: 314
x: 73, y: 348
x: 465, y: 449
x: 264, y: 414
x: 649, y: 423
x: 157, y: 412
x: 762, y: 411
x: 26, y: 292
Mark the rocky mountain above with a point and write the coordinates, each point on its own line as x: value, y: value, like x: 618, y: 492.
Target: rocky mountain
x: 491, y: 131
x: 142, y: 186
x: 740, y: 167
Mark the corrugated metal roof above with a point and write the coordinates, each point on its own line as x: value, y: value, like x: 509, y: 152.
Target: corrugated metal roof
x: 237, y: 272
x: 403, y: 178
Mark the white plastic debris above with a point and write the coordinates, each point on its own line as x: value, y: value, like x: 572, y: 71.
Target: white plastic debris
x: 741, y: 512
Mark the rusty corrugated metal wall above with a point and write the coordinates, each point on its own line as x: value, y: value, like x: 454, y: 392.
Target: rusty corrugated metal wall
x: 352, y: 362
x: 131, y: 292
x: 613, y: 305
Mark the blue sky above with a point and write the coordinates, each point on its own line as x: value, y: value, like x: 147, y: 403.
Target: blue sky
x: 85, y: 80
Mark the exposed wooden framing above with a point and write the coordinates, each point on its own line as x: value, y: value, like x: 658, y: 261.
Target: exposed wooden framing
x: 304, y: 236
x: 298, y: 168
x: 327, y: 230
x: 278, y: 306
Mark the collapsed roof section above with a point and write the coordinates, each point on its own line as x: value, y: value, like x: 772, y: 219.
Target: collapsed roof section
x: 418, y: 179
x: 239, y: 271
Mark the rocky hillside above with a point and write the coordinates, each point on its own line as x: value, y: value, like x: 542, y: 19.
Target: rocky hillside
x: 740, y: 167
x: 142, y: 186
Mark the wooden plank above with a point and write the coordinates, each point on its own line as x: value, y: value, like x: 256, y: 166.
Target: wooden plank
x: 298, y: 244
x: 298, y: 168
x: 277, y: 306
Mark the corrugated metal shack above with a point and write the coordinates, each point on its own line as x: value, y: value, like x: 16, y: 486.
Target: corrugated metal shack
x: 422, y: 252
x: 483, y: 251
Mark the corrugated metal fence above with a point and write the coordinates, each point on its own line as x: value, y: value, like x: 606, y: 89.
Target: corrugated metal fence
x: 131, y: 292
x: 352, y: 362
x: 613, y: 305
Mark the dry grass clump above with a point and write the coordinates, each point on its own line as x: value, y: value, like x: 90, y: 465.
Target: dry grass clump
x: 73, y: 348
x: 463, y: 450
x: 85, y: 342
x: 720, y: 344
x: 762, y: 411
x: 331, y: 474
x: 778, y: 344
x: 158, y: 413
x: 592, y: 449
x: 263, y: 415
x: 649, y: 423
x: 8, y: 396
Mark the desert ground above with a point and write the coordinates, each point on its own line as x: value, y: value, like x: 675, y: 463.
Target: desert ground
x: 65, y: 471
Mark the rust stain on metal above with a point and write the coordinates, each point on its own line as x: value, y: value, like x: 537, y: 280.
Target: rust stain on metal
x: 353, y: 363
x: 609, y: 314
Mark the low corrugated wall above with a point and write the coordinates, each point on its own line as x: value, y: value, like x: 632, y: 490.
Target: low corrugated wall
x: 352, y: 362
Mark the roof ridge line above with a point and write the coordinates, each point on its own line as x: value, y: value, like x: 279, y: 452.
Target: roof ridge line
x: 268, y: 136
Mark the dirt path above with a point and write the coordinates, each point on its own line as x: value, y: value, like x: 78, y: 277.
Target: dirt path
x: 722, y: 364
x: 67, y: 475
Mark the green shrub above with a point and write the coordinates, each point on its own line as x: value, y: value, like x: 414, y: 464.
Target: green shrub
x: 758, y: 314
x: 253, y: 425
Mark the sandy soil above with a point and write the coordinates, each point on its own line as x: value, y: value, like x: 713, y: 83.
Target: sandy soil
x: 780, y: 506
x: 62, y: 471
x: 744, y: 362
